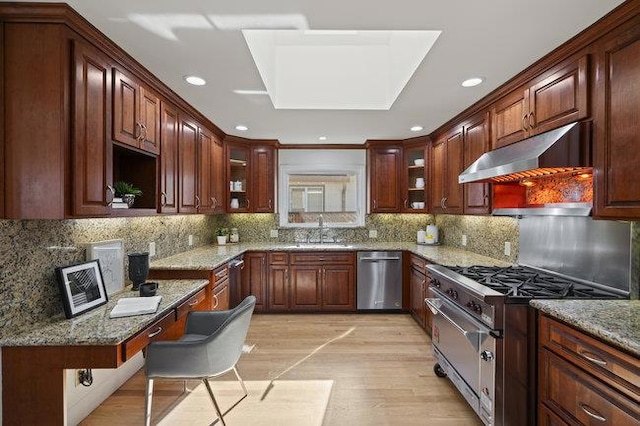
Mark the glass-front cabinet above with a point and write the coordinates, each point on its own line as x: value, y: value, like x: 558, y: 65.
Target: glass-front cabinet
x: 415, y: 178
x: 238, y: 173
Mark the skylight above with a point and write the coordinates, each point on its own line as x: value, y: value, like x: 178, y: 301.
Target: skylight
x: 326, y: 69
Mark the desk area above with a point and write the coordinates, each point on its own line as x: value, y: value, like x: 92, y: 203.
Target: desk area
x: 34, y: 358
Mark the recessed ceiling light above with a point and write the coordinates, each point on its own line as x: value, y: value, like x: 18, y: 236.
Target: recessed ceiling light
x: 242, y: 128
x: 195, y: 80
x: 472, y: 82
x: 416, y: 128
x: 322, y: 138
x: 250, y: 92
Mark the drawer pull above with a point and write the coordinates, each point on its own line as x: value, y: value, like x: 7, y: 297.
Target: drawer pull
x: 155, y: 333
x: 591, y: 412
x: 215, y: 297
x: 592, y: 357
x: 194, y: 303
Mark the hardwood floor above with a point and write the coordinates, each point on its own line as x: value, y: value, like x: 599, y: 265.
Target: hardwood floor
x: 381, y: 366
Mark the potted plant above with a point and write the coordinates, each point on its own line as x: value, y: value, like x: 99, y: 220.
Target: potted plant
x: 222, y: 235
x: 127, y: 192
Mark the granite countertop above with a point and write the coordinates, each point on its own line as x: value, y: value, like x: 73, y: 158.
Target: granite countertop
x: 614, y: 321
x: 95, y: 327
x: 210, y: 257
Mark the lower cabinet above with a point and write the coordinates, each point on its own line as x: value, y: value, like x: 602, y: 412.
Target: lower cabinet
x: 582, y: 380
x: 254, y: 278
x: 419, y: 286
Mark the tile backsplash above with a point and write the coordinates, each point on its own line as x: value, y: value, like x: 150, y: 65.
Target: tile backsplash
x: 30, y: 250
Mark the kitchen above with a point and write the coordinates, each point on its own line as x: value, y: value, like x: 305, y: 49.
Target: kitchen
x: 32, y: 248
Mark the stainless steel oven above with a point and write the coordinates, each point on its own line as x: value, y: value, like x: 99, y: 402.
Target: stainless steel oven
x: 465, y: 350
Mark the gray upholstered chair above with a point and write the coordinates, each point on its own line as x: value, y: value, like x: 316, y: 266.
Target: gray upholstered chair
x: 211, y: 346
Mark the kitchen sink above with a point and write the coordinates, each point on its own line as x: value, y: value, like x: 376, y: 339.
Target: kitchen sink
x: 317, y: 246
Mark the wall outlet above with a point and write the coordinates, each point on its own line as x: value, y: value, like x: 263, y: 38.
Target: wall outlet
x: 190, y: 240
x: 464, y: 240
x: 273, y: 233
x: 152, y: 248
x: 507, y: 248
x: 373, y: 233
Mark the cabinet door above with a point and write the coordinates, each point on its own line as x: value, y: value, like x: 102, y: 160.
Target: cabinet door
x: 338, y: 288
x: 417, y: 306
x: 254, y: 278
x: 221, y: 296
x: 218, y: 184
x: 150, y: 121
x: 438, y: 169
x: 262, y: 180
x: 188, y: 165
x: 453, y: 193
x: 559, y: 99
x: 278, y: 287
x: 237, y: 172
x: 305, y: 287
x: 91, y: 147
x: 126, y: 98
x: 205, y: 201
x: 477, y: 196
x: 415, y: 179
x: 385, y: 180
x: 617, y: 127
x: 170, y: 130
x: 510, y: 118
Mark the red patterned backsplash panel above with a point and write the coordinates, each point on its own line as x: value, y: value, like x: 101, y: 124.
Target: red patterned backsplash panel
x: 561, y: 189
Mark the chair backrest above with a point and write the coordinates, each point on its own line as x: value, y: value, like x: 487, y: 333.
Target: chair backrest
x: 224, y: 347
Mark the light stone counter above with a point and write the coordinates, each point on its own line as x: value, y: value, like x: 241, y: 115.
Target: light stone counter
x: 95, y: 327
x: 210, y: 257
x: 614, y: 321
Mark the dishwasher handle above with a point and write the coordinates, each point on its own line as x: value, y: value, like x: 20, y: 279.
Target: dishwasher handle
x: 375, y: 259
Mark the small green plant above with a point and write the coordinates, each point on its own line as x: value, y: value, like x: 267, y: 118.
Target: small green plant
x: 222, y: 232
x: 123, y: 188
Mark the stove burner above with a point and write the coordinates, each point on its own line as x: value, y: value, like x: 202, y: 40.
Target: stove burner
x: 519, y: 282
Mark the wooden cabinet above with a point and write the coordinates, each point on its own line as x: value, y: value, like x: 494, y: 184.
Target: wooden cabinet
x: 278, y: 282
x: 254, y: 278
x: 136, y: 113
x: 338, y: 287
x: 385, y: 164
x: 251, y: 172
x: 583, y: 380
x: 221, y: 291
x: 617, y: 130
x: 477, y: 140
x: 206, y: 198
x: 169, y: 134
x: 556, y: 98
x: 306, y: 287
x: 418, y: 287
x: 445, y: 166
x: 188, y: 165
x: 415, y: 182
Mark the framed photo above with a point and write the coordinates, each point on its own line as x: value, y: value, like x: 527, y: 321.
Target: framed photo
x: 82, y: 287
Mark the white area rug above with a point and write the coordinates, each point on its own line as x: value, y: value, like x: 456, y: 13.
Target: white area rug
x: 287, y: 403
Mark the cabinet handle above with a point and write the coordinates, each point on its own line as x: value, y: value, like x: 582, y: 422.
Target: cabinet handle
x: 139, y: 126
x: 406, y: 203
x: 248, y: 203
x: 113, y: 194
x: 591, y: 412
x: 375, y: 204
x: 163, y: 198
x: 524, y: 122
x: 215, y: 297
x: 144, y: 135
x: 155, y: 333
x: 444, y: 203
x: 197, y: 202
x: 269, y: 203
x: 213, y: 202
x: 194, y: 303
x: 532, y: 121
x: 592, y: 357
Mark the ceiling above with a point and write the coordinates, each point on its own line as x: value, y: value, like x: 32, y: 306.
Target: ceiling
x: 492, y: 39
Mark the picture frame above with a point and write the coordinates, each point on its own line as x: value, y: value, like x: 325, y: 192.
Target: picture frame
x: 81, y: 287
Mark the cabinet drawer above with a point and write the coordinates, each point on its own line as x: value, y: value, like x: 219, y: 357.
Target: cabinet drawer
x: 576, y: 396
x: 278, y: 258
x: 220, y: 274
x: 616, y: 368
x: 418, y: 263
x: 221, y: 295
x: 194, y: 303
x: 345, y: 258
x: 153, y: 332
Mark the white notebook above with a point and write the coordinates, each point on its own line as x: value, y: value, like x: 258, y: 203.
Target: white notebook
x: 130, y: 306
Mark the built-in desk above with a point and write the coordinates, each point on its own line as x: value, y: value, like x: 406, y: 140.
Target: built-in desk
x: 34, y: 359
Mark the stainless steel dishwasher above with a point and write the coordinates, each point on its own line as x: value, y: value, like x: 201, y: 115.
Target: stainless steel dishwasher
x: 379, y: 280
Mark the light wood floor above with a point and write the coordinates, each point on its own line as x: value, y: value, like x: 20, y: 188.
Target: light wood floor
x: 382, y: 369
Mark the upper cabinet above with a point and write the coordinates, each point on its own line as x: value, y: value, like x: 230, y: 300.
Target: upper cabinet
x: 477, y: 140
x: 550, y: 101
x: 250, y: 177
x: 415, y: 178
x: 617, y: 125
x: 385, y: 163
x: 445, y: 166
x: 136, y: 113
x: 169, y: 134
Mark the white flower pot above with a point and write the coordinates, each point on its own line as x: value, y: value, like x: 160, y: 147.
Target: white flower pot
x: 222, y: 240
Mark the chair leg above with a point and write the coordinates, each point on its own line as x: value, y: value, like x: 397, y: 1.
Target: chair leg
x: 244, y: 388
x: 215, y: 403
x: 147, y: 402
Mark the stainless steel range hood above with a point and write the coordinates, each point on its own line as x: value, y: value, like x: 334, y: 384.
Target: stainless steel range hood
x: 556, y: 151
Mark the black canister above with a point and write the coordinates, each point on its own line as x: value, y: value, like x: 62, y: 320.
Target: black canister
x: 138, y: 268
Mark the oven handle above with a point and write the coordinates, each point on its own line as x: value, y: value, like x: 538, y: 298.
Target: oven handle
x: 435, y: 304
